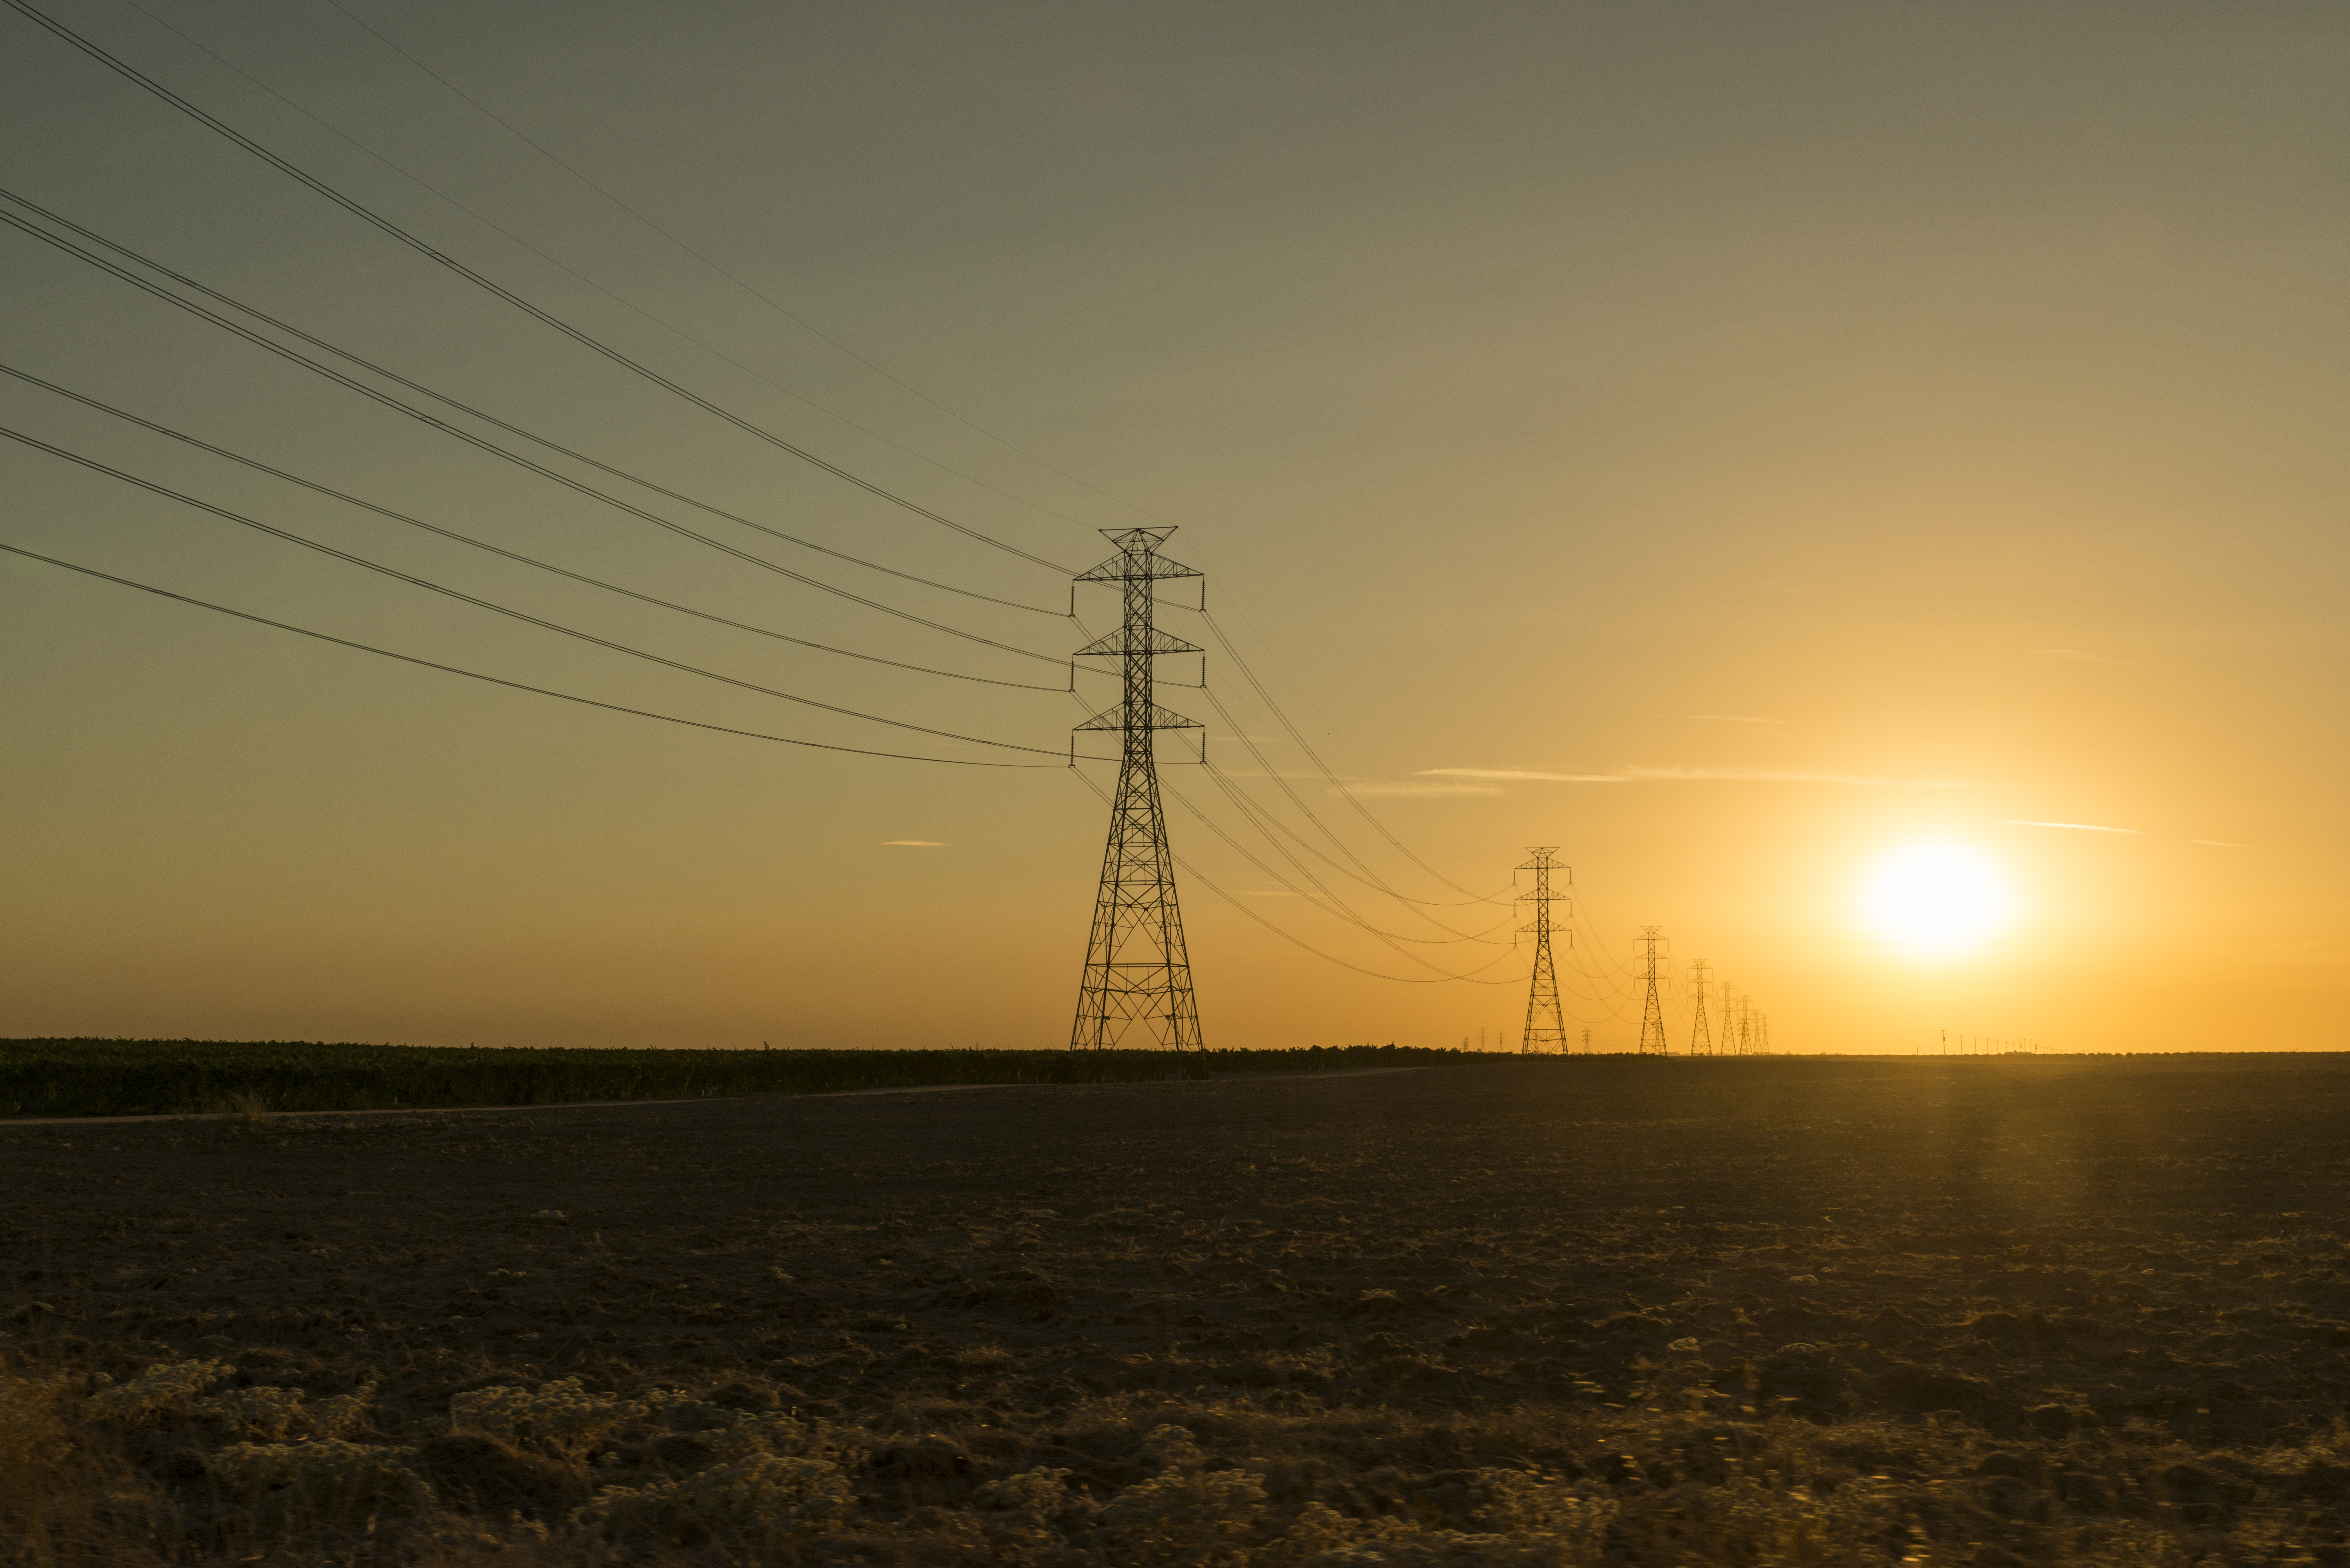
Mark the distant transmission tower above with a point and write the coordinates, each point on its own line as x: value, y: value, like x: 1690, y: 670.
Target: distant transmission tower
x: 1729, y: 994
x: 1652, y: 1011
x: 1137, y: 972
x: 1542, y: 998
x: 1701, y: 1031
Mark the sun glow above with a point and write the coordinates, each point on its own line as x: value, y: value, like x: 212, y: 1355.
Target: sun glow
x: 1937, y: 900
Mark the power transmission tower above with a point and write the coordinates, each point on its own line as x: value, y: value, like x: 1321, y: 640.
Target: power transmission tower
x: 1137, y: 970
x: 1701, y: 1031
x: 1542, y: 998
x: 1652, y: 1011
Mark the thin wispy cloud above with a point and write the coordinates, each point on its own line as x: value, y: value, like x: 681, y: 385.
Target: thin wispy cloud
x: 2071, y: 827
x: 1733, y: 719
x: 2218, y: 844
x: 1694, y: 775
x: 1427, y: 790
x: 913, y: 844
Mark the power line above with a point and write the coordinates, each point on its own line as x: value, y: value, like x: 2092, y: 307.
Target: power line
x: 422, y: 391
x: 785, y: 311
x: 1259, y: 817
x: 1274, y: 708
x: 1334, y: 906
x: 1194, y: 873
x: 324, y: 549
x: 494, y: 549
x: 500, y: 680
x: 587, y: 340
x: 436, y: 422
x: 394, y: 231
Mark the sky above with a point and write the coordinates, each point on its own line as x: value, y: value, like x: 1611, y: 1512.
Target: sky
x: 1735, y: 445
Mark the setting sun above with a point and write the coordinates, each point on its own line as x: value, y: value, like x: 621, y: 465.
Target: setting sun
x: 1937, y: 900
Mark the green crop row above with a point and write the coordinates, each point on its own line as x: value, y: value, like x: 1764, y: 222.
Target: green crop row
x: 150, y: 1077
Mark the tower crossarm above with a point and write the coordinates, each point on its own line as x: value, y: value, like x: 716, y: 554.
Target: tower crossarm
x: 1121, y: 644
x: 1114, y: 717
x: 1138, y: 559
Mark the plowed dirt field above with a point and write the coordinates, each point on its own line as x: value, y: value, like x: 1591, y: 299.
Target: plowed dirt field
x: 1595, y: 1309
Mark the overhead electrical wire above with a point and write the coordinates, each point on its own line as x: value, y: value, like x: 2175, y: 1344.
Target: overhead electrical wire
x: 1304, y: 745
x: 1332, y: 905
x: 421, y: 247
x: 441, y: 258
x: 1257, y: 817
x: 1365, y: 874
x: 769, y: 301
x: 452, y: 534
x: 469, y: 438
x: 1328, y: 902
x: 1265, y: 822
x: 464, y: 597
x: 1195, y: 875
x: 511, y: 685
x: 1366, y: 877
x: 444, y: 398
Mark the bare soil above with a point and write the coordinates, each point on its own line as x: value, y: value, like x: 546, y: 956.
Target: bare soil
x: 2016, y: 1310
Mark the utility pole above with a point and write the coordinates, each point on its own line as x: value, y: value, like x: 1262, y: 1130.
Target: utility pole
x: 1652, y: 1010
x: 1138, y: 971
x: 1701, y: 1031
x: 1542, y: 996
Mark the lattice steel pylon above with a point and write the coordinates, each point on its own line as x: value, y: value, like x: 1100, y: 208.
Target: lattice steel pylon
x: 1542, y: 997
x: 1137, y: 972
x: 1701, y: 1031
x: 1652, y: 1011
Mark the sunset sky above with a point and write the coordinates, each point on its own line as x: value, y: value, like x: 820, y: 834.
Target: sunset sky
x: 1734, y: 444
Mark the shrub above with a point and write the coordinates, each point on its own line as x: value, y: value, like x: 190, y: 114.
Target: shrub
x: 759, y: 1500
x: 1185, y: 1516
x: 561, y: 1416
x: 324, y: 1481
x: 272, y: 1415
x: 167, y: 1386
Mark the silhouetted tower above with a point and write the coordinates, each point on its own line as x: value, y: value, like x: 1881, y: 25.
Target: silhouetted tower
x: 1700, y: 1028
x: 1137, y: 972
x: 1545, y: 1019
x: 1745, y: 1027
x: 1586, y: 1039
x: 1652, y: 1011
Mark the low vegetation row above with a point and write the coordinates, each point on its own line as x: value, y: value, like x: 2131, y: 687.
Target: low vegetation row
x: 160, y: 1077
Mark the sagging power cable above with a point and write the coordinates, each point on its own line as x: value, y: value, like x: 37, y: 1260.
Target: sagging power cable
x: 444, y: 398
x: 441, y: 258
x: 483, y: 545
x: 500, y: 680
x: 523, y: 615
x: 435, y: 423
x: 769, y: 301
x: 1194, y: 873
